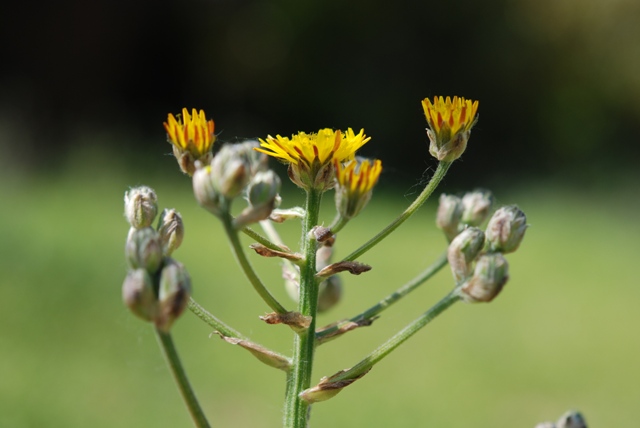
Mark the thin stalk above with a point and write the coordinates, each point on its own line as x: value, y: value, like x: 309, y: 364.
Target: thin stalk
x: 262, y: 240
x: 295, y: 409
x: 438, y: 175
x: 338, y: 223
x: 173, y: 360
x: 399, y: 338
x: 391, y: 298
x: 241, y: 257
x: 213, y: 321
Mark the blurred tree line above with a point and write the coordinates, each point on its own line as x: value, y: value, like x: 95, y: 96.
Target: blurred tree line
x: 558, y: 80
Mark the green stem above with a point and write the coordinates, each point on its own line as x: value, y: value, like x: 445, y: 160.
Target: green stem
x: 338, y: 223
x: 399, y: 338
x: 214, y: 322
x: 262, y: 240
x: 295, y: 409
x: 172, y: 358
x: 390, y: 299
x: 441, y: 171
x: 241, y: 257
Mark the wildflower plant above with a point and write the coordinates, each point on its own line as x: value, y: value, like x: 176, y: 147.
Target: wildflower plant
x: 157, y: 288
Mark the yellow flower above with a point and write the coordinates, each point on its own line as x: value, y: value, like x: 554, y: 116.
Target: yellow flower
x: 192, y: 138
x: 450, y: 122
x: 311, y: 156
x: 355, y: 183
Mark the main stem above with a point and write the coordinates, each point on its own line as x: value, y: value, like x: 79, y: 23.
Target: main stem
x: 295, y: 409
x: 180, y: 376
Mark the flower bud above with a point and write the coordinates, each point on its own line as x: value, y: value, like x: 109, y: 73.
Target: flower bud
x: 140, y: 206
x: 143, y: 250
x: 263, y: 197
x: 138, y: 294
x: 506, y: 229
x: 476, y: 207
x: 449, y: 215
x: 571, y: 419
x: 171, y: 230
x: 490, y: 275
x: 173, y: 294
x: 230, y: 171
x: 463, y: 250
x: 263, y: 189
x: 329, y: 293
x: 204, y: 190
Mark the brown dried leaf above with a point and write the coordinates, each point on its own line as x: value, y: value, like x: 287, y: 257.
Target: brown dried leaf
x: 355, y: 268
x: 295, y: 320
x: 268, y: 252
x: 265, y: 355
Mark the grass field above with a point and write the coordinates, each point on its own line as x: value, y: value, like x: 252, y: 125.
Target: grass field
x: 562, y: 335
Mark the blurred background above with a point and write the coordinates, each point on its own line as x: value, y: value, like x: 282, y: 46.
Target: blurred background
x: 85, y: 87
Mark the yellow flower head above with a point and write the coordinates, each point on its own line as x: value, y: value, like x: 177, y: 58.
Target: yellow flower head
x: 192, y: 138
x: 355, y: 183
x: 311, y: 156
x: 450, y: 122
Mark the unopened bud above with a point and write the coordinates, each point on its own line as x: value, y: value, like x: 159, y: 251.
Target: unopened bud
x: 171, y: 230
x: 205, y: 192
x: 143, y: 249
x: 330, y: 293
x: 571, y: 419
x: 506, y: 229
x: 476, y: 207
x: 138, y: 294
x: 140, y: 206
x: 231, y: 171
x: 463, y: 250
x: 490, y: 275
x: 449, y: 215
x: 173, y: 294
x: 263, y: 189
x: 262, y: 195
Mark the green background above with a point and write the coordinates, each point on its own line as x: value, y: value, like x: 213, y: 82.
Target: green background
x: 560, y: 336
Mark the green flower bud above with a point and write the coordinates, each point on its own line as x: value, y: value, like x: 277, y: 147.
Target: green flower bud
x: 140, y: 206
x: 506, y: 229
x: 490, y: 275
x: 463, y: 250
x: 330, y: 293
x: 171, y: 230
x: 173, y: 294
x: 231, y: 170
x: 449, y: 215
x: 138, y: 294
x: 143, y: 250
x: 204, y: 190
x: 263, y: 197
x: 263, y: 189
x: 476, y: 207
x: 571, y: 419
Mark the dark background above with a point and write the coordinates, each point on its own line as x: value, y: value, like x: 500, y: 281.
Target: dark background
x: 558, y: 81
